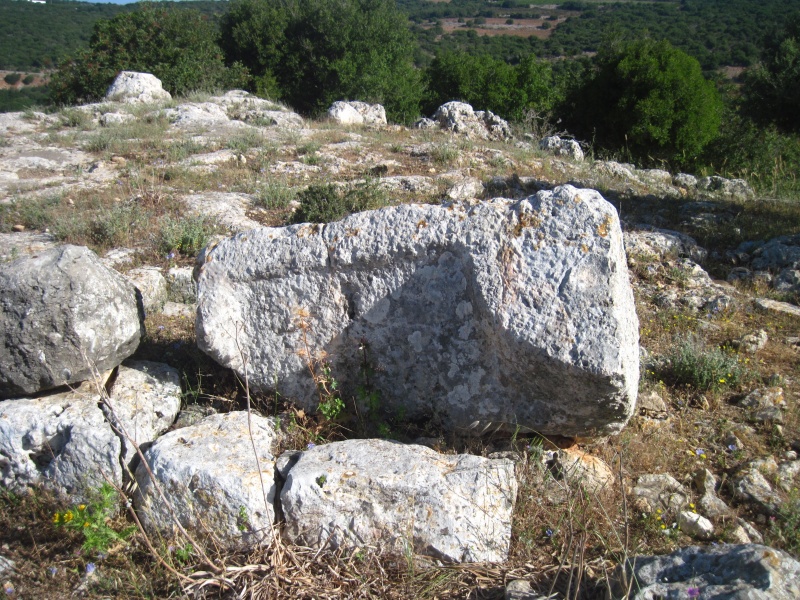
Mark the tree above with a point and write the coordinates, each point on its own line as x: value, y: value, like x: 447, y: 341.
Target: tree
x: 178, y: 46
x: 313, y: 52
x: 772, y: 89
x: 647, y: 98
x: 490, y: 84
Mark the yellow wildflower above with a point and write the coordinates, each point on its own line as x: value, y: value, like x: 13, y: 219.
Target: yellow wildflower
x: 68, y: 516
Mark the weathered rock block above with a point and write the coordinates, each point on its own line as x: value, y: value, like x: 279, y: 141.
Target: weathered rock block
x: 210, y: 475
x: 501, y: 314
x: 400, y: 498
x: 357, y: 113
x: 728, y: 571
x: 63, y: 314
x: 65, y: 441
x: 133, y: 87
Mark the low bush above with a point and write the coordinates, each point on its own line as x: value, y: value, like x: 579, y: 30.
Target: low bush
x: 187, y: 236
x: 327, y: 202
x: 12, y: 78
x: 693, y: 365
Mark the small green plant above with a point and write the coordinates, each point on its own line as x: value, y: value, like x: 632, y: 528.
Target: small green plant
x: 183, y: 554
x: 93, y: 520
x: 704, y: 369
x: 12, y: 78
x: 243, y: 142
x: 72, y: 117
x: 321, y: 480
x: 187, y: 236
x: 784, y: 530
x: 331, y: 408
x: 242, y: 520
x: 445, y: 154
x: 275, y: 195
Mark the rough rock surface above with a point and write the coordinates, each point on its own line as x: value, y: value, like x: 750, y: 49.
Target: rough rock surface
x: 730, y: 571
x: 210, y: 474
x: 357, y: 113
x: 63, y: 314
x: 460, y: 118
x: 663, y: 243
x: 65, y: 442
x: 401, y: 497
x: 132, y: 87
x: 498, y: 314
x: 555, y: 145
x: 151, y: 285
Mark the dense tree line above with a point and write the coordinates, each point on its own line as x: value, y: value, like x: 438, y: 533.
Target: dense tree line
x: 642, y: 97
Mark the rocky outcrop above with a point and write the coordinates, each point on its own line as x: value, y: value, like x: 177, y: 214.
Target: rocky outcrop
x: 729, y: 571
x: 460, y: 118
x: 555, y: 145
x: 401, y: 499
x: 65, y: 441
x: 357, y: 113
x: 210, y: 475
x: 132, y: 88
x: 63, y: 316
x: 501, y: 314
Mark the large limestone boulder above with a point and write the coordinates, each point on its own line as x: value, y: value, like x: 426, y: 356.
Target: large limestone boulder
x: 400, y: 498
x: 504, y: 314
x: 66, y: 442
x: 729, y: 571
x: 357, y: 113
x: 210, y: 475
x: 131, y: 87
x: 63, y: 316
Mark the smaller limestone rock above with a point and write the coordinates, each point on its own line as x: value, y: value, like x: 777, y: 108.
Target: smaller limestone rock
x: 132, y: 87
x: 401, y: 498
x: 652, y: 405
x: 663, y: 243
x: 357, y: 113
x: 752, y: 342
x: 519, y: 589
x: 115, y: 118
x: 661, y: 491
x: 751, y: 486
x: 6, y: 566
x: 576, y: 466
x: 778, y: 307
x: 562, y: 147
x: 763, y: 398
x: 179, y: 310
x: 685, y: 180
x: 460, y: 118
x: 181, y: 286
x: 695, y: 525
x: 466, y: 189
x: 152, y: 285
x: 211, y: 475
x: 727, y: 571
x: 737, y: 189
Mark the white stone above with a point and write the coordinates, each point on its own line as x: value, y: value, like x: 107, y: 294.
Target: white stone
x: 402, y: 499
x: 459, y: 117
x: 132, y: 87
x: 509, y: 314
x: 181, y: 285
x: 63, y: 316
x: 562, y: 147
x: 210, y: 475
x: 695, y: 525
x: 152, y: 285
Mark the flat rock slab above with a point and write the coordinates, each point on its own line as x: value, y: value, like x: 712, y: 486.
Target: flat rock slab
x: 209, y: 474
x: 400, y: 498
x: 729, y: 571
x: 502, y: 314
x: 65, y: 442
x: 63, y: 316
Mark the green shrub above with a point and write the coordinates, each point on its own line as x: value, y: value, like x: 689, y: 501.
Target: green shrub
x: 12, y: 78
x: 646, y: 98
x: 29, y: 79
x: 325, y: 203
x: 275, y: 195
x: 704, y: 369
x: 118, y: 225
x: 187, y: 236
x: 784, y: 531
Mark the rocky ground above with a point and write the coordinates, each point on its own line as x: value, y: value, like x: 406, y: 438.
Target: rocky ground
x: 710, y: 456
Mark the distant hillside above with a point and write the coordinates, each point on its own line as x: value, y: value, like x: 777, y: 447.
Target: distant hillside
x: 38, y: 36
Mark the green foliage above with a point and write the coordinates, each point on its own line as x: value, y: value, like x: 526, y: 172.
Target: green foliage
x: 116, y: 226
x: 177, y: 46
x: 24, y: 98
x: 29, y: 79
x: 12, y: 78
x: 313, y: 52
x: 331, y: 408
x: 772, y: 89
x: 92, y: 520
x: 646, y: 98
x: 490, y: 84
x: 691, y: 364
x: 784, y: 531
x: 275, y: 195
x: 324, y: 203
x: 186, y: 235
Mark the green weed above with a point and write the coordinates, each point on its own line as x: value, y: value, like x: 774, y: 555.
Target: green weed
x: 275, y: 195
x: 187, y: 236
x: 704, y: 369
x: 324, y: 203
x: 93, y: 520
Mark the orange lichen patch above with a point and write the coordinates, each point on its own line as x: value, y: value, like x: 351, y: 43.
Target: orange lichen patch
x: 604, y: 227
